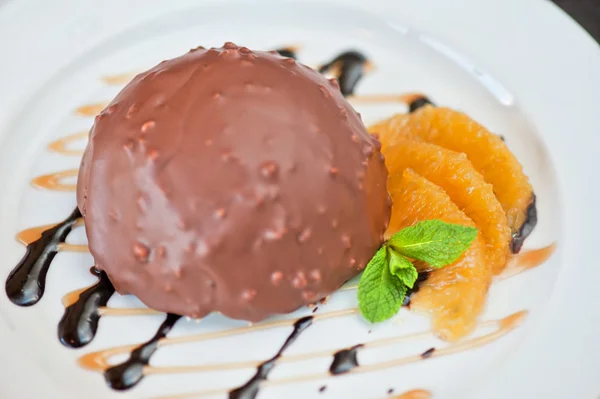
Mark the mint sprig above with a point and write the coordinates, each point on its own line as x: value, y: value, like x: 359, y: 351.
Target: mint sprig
x: 390, y: 273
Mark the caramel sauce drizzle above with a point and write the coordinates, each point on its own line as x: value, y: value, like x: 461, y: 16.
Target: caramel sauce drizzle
x: 72, y: 297
x: 118, y: 79
x: 284, y: 359
x: 99, y: 361
x: 526, y: 260
x: 106, y: 311
x: 91, y: 109
x: 62, y: 145
x: 384, y: 98
x: 502, y: 327
x: 32, y: 234
x: 414, y: 394
x: 54, y: 181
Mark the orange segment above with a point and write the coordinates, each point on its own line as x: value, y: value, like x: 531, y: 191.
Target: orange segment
x: 487, y: 152
x: 454, y: 173
x: 454, y: 295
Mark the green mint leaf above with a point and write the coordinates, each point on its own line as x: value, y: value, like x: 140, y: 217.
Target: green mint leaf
x: 433, y: 241
x: 380, y: 294
x: 402, y: 268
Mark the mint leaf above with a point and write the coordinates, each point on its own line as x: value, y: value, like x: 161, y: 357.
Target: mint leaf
x: 402, y: 268
x: 380, y: 294
x: 433, y: 241
x: 390, y: 273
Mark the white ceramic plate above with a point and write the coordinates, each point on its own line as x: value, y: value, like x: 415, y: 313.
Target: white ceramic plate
x: 521, y: 67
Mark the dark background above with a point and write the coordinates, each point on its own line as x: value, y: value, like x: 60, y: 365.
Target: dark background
x: 586, y: 12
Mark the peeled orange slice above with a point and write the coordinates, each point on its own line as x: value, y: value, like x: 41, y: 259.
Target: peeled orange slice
x: 487, y: 152
x: 454, y: 295
x: 465, y: 186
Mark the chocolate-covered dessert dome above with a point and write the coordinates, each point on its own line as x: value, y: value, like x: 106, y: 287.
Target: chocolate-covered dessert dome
x: 234, y: 181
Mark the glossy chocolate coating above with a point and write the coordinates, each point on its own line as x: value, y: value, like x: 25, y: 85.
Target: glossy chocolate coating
x: 234, y: 181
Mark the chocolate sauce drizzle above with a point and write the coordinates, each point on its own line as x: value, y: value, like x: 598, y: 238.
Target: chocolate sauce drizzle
x: 344, y: 360
x: 250, y: 389
x: 530, y: 221
x: 419, y: 103
x: 349, y: 68
x: 411, y: 291
x: 427, y: 353
x: 129, y: 373
x: 79, y: 323
x: 287, y: 52
x: 26, y: 283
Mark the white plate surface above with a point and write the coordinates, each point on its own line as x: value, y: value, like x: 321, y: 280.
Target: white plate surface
x: 522, y: 68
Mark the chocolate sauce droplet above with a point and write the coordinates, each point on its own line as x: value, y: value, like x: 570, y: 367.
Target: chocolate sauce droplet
x: 427, y: 353
x: 411, y: 291
x: 250, y: 389
x: 287, y: 52
x: 419, y: 103
x: 79, y: 323
x: 26, y: 283
x: 349, y: 68
x: 530, y: 221
x: 344, y: 360
x: 129, y: 373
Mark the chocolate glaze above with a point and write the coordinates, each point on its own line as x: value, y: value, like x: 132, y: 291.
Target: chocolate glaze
x: 26, y: 283
x: 79, y: 323
x: 349, y: 69
x: 233, y: 181
x: 129, y: 373
x: 530, y: 221
x: 419, y: 103
x: 344, y: 360
x: 250, y: 389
